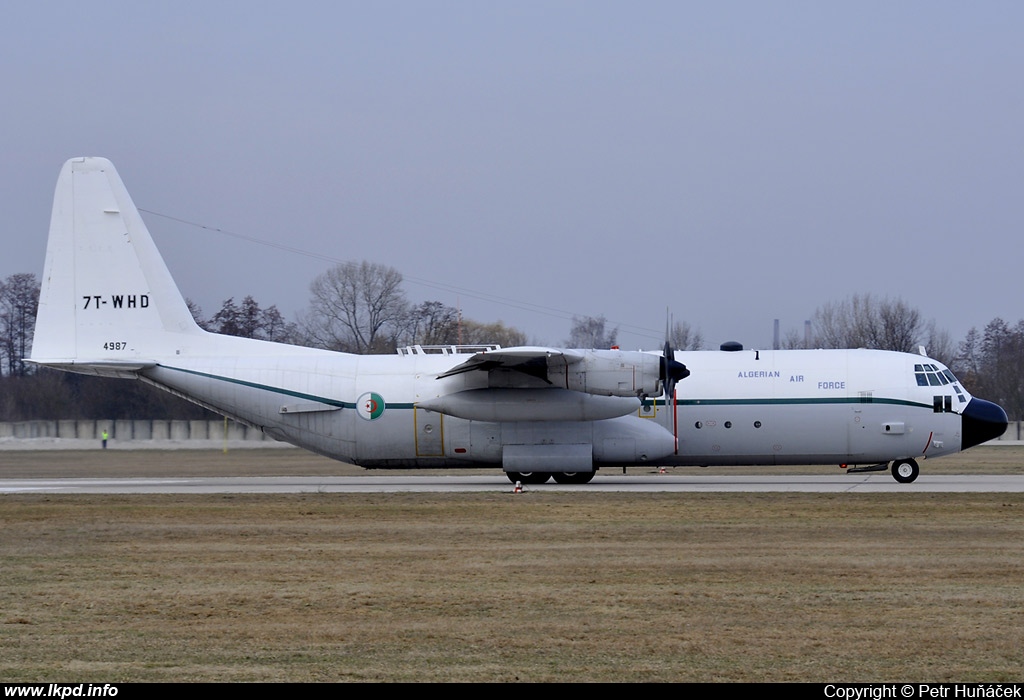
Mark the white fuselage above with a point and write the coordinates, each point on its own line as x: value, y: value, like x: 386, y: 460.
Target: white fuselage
x: 746, y: 407
x: 812, y: 407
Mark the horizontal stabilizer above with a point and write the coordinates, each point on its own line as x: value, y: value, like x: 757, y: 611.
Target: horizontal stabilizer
x: 99, y: 368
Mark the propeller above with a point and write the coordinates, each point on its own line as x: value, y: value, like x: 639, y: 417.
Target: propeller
x: 671, y: 371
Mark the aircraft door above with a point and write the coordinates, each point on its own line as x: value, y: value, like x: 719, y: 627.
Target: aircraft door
x: 429, y: 427
x: 857, y: 432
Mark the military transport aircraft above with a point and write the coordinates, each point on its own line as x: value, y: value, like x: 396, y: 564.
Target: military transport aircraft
x: 109, y: 307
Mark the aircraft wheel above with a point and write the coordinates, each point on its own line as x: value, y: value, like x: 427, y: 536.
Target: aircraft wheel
x: 528, y: 477
x: 905, y: 470
x: 574, y: 477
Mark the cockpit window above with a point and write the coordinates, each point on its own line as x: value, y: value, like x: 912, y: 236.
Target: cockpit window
x: 930, y: 375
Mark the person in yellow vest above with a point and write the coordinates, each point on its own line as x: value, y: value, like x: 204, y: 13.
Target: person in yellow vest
x: 105, y: 436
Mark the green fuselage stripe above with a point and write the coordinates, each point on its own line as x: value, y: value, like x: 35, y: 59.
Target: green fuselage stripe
x: 797, y: 402
x: 265, y: 387
x: 658, y: 402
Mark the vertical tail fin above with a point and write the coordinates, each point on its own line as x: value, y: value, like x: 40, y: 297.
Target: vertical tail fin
x: 106, y: 295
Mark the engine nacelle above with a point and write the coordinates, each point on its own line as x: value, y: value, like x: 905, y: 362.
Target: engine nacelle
x: 552, y: 404
x: 611, y: 373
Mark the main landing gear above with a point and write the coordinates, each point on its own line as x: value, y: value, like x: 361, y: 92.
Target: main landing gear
x: 542, y: 477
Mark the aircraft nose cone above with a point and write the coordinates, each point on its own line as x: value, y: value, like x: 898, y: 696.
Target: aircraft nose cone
x: 981, y: 421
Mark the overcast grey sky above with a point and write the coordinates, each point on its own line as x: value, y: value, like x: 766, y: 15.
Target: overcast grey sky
x: 736, y: 162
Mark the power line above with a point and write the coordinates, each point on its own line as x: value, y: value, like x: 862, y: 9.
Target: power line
x: 546, y: 310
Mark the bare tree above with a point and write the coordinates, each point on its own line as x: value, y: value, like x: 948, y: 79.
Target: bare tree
x: 19, y: 300
x: 589, y: 332
x: 865, y: 322
x: 1001, y: 366
x: 51, y: 395
x: 41, y: 395
x: 474, y: 333
x: 357, y: 307
x: 901, y: 327
x: 683, y: 337
x: 939, y: 344
x: 793, y: 340
x: 432, y: 323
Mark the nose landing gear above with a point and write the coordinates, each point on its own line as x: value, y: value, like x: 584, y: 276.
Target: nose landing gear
x: 904, y: 470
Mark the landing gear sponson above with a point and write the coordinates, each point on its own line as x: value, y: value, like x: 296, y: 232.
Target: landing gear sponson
x: 542, y: 477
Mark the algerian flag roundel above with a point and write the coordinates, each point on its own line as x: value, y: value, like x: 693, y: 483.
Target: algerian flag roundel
x: 370, y: 406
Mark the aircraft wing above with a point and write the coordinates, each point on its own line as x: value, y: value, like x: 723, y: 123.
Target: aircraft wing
x: 555, y: 385
x: 532, y: 361
x: 611, y: 372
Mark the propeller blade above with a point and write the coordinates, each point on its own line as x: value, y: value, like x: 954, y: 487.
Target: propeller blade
x: 671, y: 371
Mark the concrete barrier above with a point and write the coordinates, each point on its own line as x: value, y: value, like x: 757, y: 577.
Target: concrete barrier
x: 179, y: 430
x: 31, y: 429
x: 129, y: 430
x: 1015, y: 431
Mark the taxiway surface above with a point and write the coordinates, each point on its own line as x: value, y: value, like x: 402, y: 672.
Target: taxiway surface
x: 861, y: 483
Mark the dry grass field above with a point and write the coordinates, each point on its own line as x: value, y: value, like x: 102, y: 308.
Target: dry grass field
x: 499, y: 587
